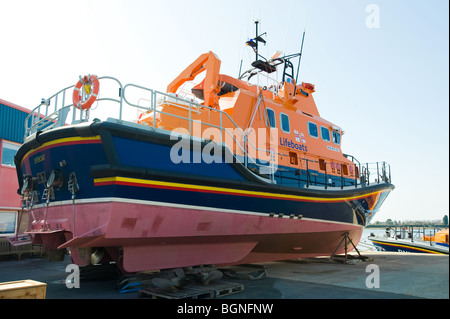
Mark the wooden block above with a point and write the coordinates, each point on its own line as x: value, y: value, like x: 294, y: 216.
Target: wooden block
x: 23, y: 289
x: 194, y: 291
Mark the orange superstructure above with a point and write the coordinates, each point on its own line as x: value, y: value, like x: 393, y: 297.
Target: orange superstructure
x: 305, y: 141
x: 439, y: 237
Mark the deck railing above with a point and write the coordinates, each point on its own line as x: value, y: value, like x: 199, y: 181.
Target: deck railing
x: 56, y: 111
x: 310, y: 176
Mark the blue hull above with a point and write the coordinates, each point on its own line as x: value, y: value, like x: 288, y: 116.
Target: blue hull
x: 103, y: 154
x: 392, y: 245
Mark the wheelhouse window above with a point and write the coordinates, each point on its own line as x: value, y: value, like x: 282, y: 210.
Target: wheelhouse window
x: 271, y: 117
x: 284, y: 120
x: 312, y: 130
x: 8, y: 152
x: 325, y: 133
x: 336, y: 137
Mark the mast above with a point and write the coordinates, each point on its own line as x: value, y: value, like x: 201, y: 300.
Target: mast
x: 253, y: 43
x: 256, y: 38
x: 300, y: 57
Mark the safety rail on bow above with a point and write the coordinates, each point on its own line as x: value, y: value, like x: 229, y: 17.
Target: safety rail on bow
x: 56, y: 112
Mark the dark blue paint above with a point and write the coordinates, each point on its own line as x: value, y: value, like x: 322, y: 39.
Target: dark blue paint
x: 157, y: 156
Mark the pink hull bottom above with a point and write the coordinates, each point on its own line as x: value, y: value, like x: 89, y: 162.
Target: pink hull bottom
x: 153, y: 236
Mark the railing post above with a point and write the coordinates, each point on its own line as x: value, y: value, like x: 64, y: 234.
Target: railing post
x: 56, y: 102
x: 245, y: 151
x: 367, y: 174
x: 221, y: 127
x: 38, y: 112
x: 326, y: 176
x: 154, y: 108
x: 64, y: 98
x: 307, y: 173
x: 120, y: 103
x: 272, y: 165
x: 378, y: 174
x: 342, y: 177
x: 356, y: 178
x: 190, y: 119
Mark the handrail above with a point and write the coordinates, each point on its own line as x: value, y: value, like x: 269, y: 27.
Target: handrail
x: 54, y: 112
x: 44, y: 120
x: 410, y: 232
x: 360, y: 179
x: 189, y: 104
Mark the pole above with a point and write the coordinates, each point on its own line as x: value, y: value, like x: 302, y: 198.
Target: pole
x: 256, y: 41
x: 240, y: 68
x: 300, y: 57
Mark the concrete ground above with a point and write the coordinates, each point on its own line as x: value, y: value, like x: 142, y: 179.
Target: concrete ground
x: 384, y: 276
x: 401, y: 275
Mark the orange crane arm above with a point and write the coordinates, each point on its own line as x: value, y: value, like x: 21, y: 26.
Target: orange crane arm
x: 208, y: 62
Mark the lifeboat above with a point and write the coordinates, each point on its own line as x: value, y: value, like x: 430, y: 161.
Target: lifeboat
x: 409, y: 241
x: 231, y: 170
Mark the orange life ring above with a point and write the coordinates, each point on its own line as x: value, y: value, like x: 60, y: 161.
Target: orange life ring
x: 87, y: 81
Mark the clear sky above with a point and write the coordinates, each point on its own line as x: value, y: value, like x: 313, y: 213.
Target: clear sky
x: 386, y: 86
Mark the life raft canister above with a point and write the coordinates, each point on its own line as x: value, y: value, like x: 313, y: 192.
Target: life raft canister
x: 91, y: 88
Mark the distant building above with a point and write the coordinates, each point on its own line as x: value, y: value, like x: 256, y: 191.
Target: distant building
x: 12, y: 131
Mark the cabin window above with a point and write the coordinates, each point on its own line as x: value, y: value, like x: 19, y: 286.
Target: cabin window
x: 336, y: 137
x: 312, y: 129
x: 284, y: 120
x: 325, y: 133
x: 271, y: 117
x: 8, y: 152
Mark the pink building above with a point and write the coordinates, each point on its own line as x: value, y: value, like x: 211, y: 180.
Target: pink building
x: 12, y: 132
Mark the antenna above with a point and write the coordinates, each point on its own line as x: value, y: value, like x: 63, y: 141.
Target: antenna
x: 256, y: 38
x: 240, y: 68
x: 254, y: 42
x: 300, y: 57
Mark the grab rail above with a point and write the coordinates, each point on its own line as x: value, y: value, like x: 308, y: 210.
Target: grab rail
x: 361, y: 178
x: 53, y: 112
x: 191, y: 106
x: 56, y: 112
